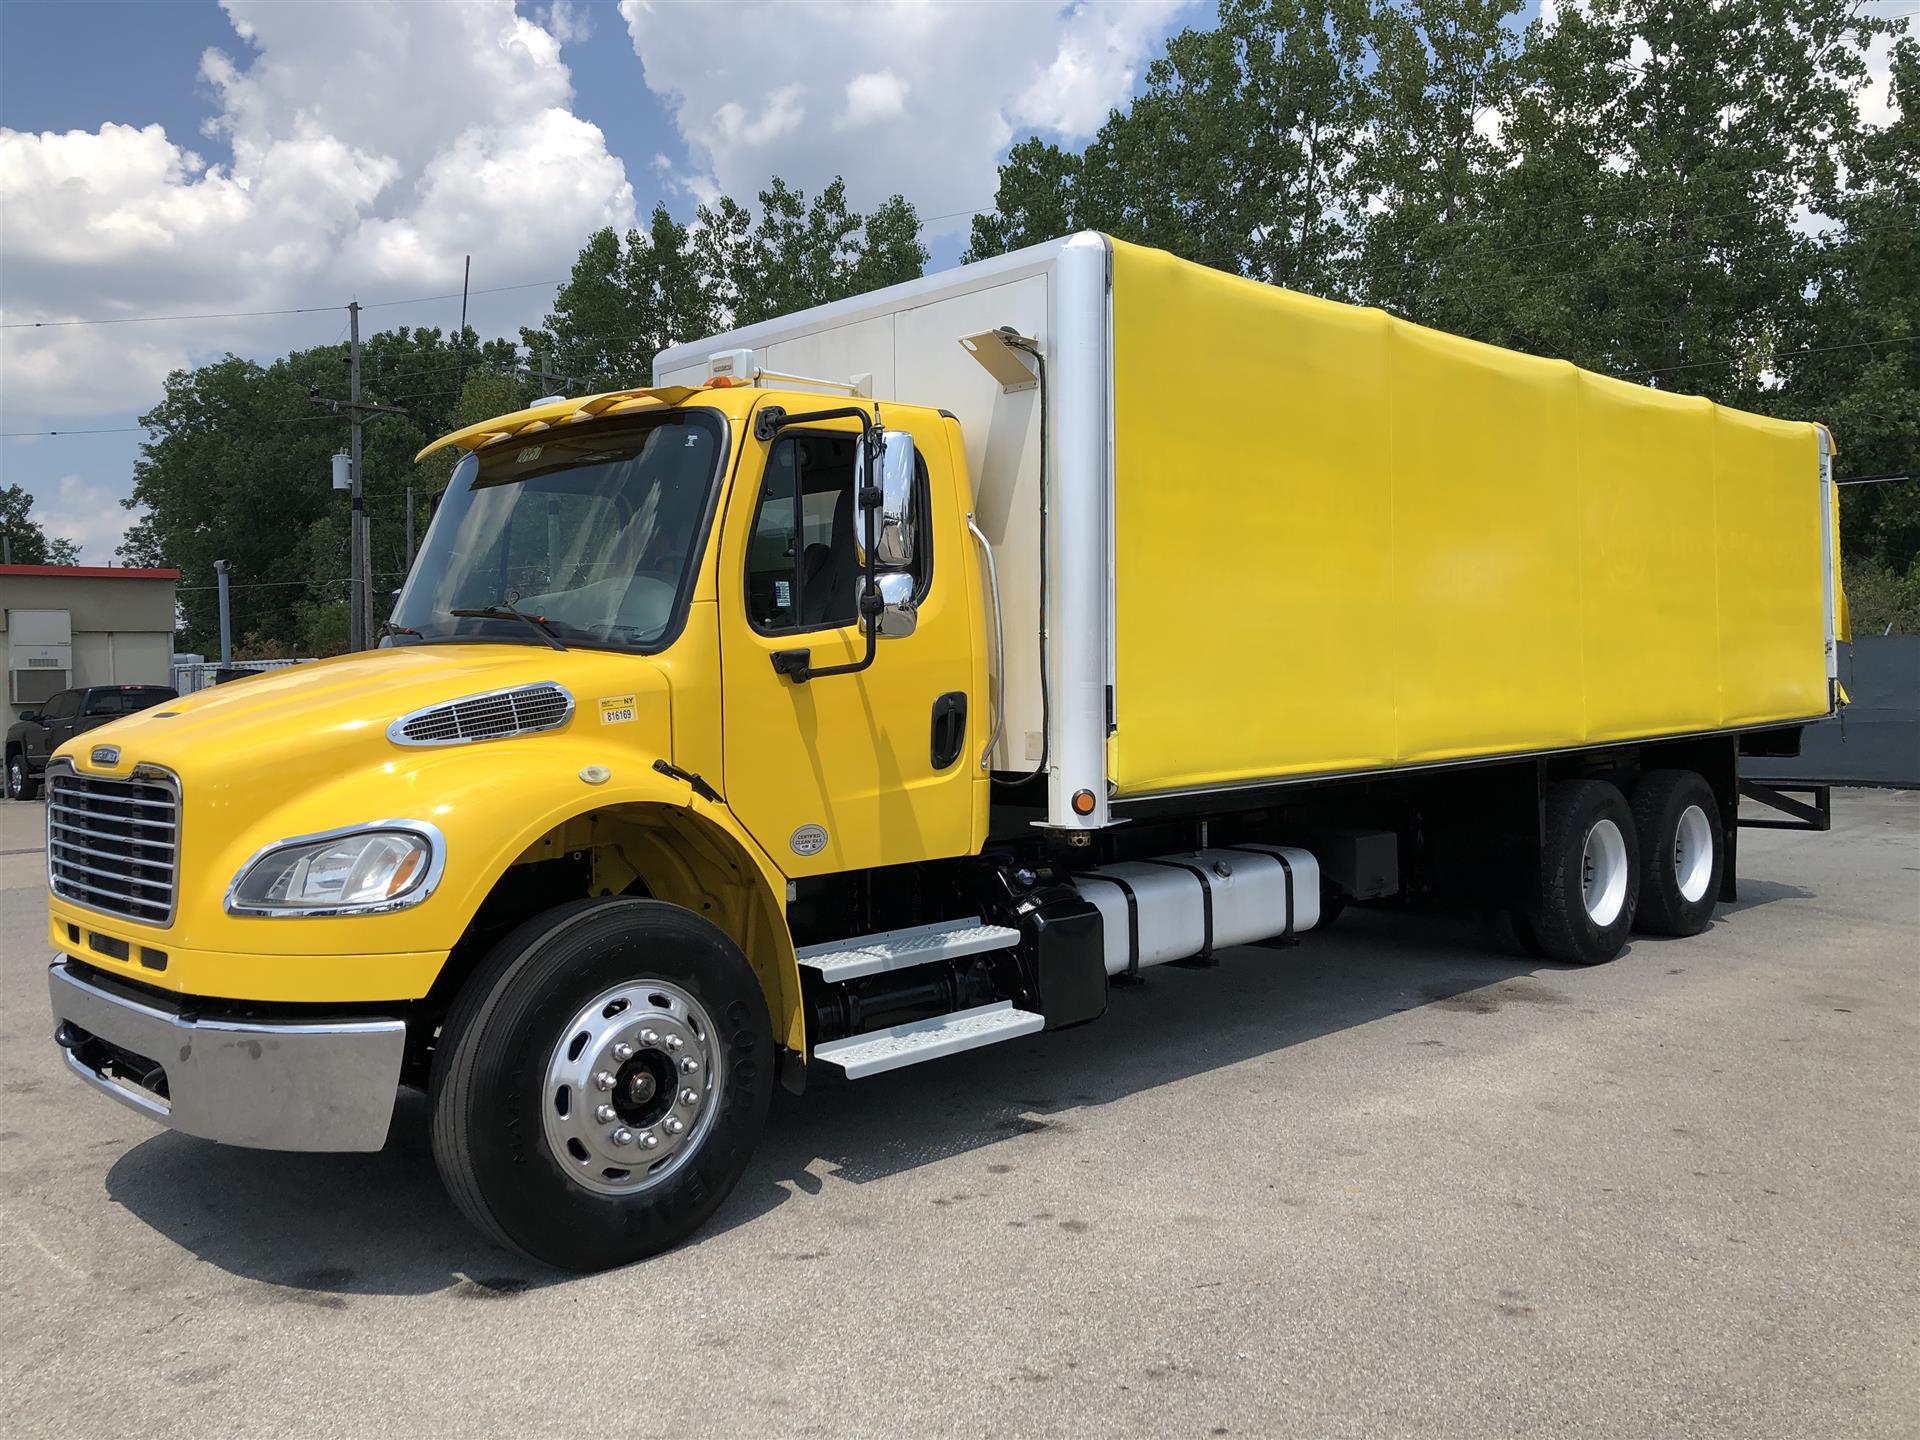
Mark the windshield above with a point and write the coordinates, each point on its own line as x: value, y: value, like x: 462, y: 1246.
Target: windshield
x: 594, y: 532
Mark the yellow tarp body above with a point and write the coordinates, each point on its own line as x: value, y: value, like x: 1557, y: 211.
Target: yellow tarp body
x: 1343, y: 542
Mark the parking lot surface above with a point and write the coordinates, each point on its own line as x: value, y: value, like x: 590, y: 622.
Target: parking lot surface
x: 1389, y: 1182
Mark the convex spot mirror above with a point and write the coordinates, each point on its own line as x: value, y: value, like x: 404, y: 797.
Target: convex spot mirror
x: 897, y: 613
x: 894, y: 540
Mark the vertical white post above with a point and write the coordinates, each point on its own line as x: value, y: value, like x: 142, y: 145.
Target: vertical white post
x: 1078, y: 545
x: 1827, y: 565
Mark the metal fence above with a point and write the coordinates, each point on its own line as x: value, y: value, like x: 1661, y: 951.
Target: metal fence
x: 192, y: 675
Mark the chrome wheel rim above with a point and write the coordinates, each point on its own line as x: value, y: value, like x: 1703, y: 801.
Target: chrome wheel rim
x: 1692, y: 854
x: 1603, y: 873
x: 632, y: 1087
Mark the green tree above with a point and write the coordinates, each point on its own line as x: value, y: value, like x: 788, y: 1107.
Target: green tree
x: 1429, y: 155
x: 1857, y: 365
x: 627, y: 300
x: 1661, y: 157
x: 27, y: 540
x: 624, y: 302
x: 1240, y: 152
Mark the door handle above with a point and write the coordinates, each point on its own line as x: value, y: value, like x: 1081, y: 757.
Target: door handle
x: 949, y: 728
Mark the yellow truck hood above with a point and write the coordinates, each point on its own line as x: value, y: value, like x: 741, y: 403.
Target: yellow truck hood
x: 282, y: 725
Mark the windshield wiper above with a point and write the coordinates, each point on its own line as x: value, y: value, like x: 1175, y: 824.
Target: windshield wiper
x: 536, y: 623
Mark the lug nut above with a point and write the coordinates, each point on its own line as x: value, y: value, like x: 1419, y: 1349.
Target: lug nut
x: 674, y: 1042
x: 623, y: 1051
x: 606, y: 1114
x: 689, y: 1097
x: 649, y: 1141
x: 622, y: 1136
x: 689, y: 1065
x: 649, y: 1037
x: 603, y: 1080
x: 673, y: 1125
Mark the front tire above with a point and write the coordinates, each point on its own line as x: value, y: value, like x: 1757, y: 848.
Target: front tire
x: 20, y: 785
x: 1590, y: 881
x: 533, y: 1144
x: 1678, y: 821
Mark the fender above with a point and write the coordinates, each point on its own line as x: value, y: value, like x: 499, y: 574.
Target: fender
x: 687, y: 850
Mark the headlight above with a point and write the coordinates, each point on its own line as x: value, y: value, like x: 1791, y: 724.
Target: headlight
x: 385, y: 866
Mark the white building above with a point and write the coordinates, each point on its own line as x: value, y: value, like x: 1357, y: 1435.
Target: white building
x: 64, y: 626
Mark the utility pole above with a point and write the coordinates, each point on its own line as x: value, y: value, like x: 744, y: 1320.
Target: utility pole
x: 409, y: 529
x: 359, y: 581
x: 357, y: 525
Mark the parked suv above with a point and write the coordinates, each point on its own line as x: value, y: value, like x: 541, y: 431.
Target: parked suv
x: 38, y: 733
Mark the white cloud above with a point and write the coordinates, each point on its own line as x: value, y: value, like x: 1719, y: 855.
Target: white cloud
x: 875, y: 96
x: 87, y: 512
x: 368, y: 158
x: 566, y: 22
x: 917, y: 98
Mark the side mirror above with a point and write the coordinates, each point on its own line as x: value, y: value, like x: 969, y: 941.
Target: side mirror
x: 893, y: 547
x: 898, y: 617
x: 29, y: 717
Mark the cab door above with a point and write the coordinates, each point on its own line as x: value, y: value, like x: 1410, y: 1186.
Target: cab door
x: 55, y: 728
x: 845, y: 772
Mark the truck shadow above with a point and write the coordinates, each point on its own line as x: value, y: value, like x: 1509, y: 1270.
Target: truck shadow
x: 318, y: 1229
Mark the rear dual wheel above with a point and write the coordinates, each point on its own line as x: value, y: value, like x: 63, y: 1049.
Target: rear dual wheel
x: 1590, y: 881
x: 601, y: 1082
x: 1678, y: 821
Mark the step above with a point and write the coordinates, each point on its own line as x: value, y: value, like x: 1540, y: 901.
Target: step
x: 897, y: 949
x: 898, y: 1045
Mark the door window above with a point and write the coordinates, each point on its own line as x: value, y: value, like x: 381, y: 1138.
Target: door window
x: 63, y: 706
x: 803, y: 562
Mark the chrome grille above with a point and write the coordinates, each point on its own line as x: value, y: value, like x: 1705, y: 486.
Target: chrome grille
x: 114, y: 845
x: 492, y: 716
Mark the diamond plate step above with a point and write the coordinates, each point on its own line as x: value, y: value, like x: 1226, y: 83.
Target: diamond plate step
x: 898, y: 1045
x: 897, y: 949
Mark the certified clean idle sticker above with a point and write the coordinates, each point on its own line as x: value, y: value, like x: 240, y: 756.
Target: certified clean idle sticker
x: 618, y: 709
x: 808, y: 840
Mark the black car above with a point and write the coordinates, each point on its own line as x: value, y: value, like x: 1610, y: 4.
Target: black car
x: 38, y: 733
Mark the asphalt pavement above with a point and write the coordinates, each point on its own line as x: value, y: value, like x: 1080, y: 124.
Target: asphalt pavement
x: 1387, y: 1183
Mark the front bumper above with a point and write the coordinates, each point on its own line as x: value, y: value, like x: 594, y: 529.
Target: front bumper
x: 321, y: 1086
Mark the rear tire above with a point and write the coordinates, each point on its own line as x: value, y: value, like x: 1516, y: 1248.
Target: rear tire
x: 1590, y: 874
x: 1684, y: 852
x: 553, y: 1005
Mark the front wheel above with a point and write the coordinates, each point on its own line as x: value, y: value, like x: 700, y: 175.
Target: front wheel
x: 1590, y: 875
x: 601, y: 1082
x: 20, y: 785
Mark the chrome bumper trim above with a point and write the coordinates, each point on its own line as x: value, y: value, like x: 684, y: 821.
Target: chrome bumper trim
x: 328, y: 1086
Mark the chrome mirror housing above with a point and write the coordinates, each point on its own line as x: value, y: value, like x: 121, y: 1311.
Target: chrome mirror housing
x: 894, y: 547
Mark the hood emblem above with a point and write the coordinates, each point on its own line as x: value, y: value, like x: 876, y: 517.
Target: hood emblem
x: 106, y: 755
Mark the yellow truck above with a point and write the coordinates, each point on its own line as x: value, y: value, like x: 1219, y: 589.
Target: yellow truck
x: 910, y: 675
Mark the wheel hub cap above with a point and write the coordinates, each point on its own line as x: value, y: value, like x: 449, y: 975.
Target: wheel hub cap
x: 1603, y: 873
x: 1693, y: 854
x: 631, y: 1087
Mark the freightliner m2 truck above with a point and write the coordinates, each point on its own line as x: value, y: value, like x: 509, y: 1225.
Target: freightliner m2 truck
x: 910, y: 676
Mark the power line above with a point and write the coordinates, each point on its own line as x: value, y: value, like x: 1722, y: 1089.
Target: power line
x: 255, y: 314
x: 1774, y: 359
x: 109, y: 430
x: 153, y: 319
